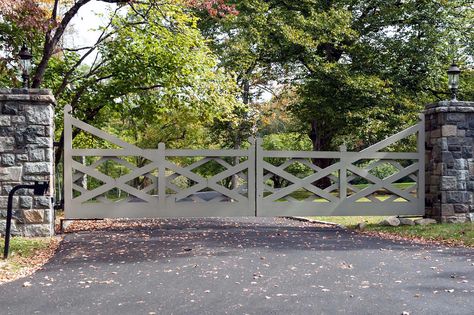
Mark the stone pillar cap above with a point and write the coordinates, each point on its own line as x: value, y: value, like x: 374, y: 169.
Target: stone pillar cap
x: 30, y: 95
x: 450, y: 107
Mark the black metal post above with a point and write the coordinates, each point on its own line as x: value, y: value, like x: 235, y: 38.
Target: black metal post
x: 38, y: 189
x: 454, y: 94
x: 26, y: 80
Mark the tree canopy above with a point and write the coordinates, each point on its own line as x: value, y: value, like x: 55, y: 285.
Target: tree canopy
x: 358, y: 67
x: 153, y: 71
x: 188, y: 71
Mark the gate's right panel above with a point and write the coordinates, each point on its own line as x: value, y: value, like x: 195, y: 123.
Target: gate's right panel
x: 379, y: 180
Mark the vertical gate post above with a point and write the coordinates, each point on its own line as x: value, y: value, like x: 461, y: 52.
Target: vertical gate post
x: 26, y: 156
x: 343, y: 173
x: 449, y: 180
x: 259, y: 184
x: 67, y: 167
x: 251, y: 183
x: 162, y: 175
x: 420, y: 148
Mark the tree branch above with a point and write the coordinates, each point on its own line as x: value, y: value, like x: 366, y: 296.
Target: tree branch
x: 77, y: 49
x: 51, y: 42
x: 103, y: 36
x: 55, y: 11
x: 438, y: 94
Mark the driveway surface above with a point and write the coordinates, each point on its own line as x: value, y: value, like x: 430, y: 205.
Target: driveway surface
x: 243, y: 266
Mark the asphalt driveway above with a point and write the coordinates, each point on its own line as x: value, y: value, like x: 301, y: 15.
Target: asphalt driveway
x: 243, y: 266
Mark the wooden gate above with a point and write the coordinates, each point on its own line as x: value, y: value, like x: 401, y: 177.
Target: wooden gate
x: 124, y: 181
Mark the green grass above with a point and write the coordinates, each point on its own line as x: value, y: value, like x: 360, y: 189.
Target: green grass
x: 26, y: 255
x: 21, y: 250
x: 350, y: 222
x: 455, y: 234
x: 24, y: 247
x: 397, y: 185
x: 458, y: 234
x: 302, y: 194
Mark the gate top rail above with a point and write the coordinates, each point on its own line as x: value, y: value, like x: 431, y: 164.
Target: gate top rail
x: 151, y: 152
x: 352, y: 155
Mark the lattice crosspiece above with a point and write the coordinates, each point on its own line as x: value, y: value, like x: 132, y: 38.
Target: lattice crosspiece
x: 297, y: 184
x: 377, y: 184
x: 121, y: 183
x: 146, y: 181
x: 413, y: 171
x: 201, y: 182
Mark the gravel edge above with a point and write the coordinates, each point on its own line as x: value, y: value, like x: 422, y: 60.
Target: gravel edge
x: 304, y: 219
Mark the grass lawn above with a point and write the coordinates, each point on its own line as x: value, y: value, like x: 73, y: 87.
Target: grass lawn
x: 302, y: 194
x: 351, y: 221
x: 26, y: 255
x: 452, y: 234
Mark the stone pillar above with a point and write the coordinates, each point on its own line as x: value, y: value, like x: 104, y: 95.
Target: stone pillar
x: 26, y: 155
x: 449, y: 161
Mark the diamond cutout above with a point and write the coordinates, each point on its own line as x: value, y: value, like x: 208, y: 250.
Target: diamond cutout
x: 275, y: 181
x: 299, y: 170
x: 240, y: 182
x: 178, y: 182
x: 210, y: 167
x: 146, y: 183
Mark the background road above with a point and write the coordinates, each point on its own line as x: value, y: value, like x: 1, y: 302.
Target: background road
x: 243, y: 266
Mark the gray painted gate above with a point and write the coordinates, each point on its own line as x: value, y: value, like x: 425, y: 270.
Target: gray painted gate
x: 124, y: 181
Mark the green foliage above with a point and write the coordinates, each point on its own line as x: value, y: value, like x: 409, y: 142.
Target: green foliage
x: 164, y: 82
x: 156, y: 81
x: 361, y: 69
x: 286, y: 141
x: 383, y: 171
x: 291, y: 142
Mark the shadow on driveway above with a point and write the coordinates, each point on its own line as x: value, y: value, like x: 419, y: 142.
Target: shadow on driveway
x: 244, y: 265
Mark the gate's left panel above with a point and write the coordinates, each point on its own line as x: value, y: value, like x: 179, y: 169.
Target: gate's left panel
x: 106, y: 177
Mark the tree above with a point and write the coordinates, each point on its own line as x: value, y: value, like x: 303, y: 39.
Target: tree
x: 358, y: 67
x: 239, y: 41
x: 152, y: 62
x: 29, y: 15
x: 162, y: 75
x: 347, y: 57
x: 156, y: 76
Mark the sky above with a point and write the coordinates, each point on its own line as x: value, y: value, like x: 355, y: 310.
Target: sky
x: 82, y: 30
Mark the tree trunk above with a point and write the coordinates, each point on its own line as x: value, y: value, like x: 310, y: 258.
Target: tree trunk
x: 238, y: 138
x: 52, y: 39
x: 83, y: 183
x: 235, y: 178
x: 320, y: 143
x: 277, y: 182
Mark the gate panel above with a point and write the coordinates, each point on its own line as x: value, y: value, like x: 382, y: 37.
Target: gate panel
x: 124, y: 181
x: 374, y: 181
x: 129, y: 182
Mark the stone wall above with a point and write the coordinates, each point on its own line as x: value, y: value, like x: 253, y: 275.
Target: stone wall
x: 26, y: 155
x: 449, y: 161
